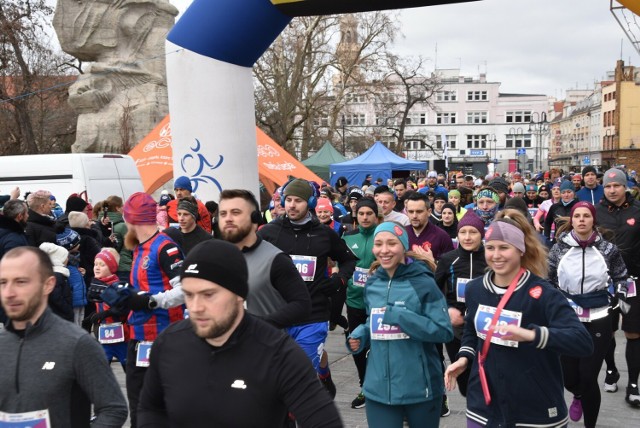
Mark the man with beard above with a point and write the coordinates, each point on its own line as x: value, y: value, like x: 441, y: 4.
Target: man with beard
x: 422, y: 232
x: 51, y: 369
x: 277, y: 293
x: 224, y: 367
x: 310, y: 244
x: 189, y: 233
x: 155, y: 278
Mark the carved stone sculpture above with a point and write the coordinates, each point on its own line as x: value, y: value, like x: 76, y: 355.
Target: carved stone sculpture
x: 123, y: 94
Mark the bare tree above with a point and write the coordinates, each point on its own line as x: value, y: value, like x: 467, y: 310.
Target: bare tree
x: 404, y: 85
x: 34, y: 116
x: 303, y: 78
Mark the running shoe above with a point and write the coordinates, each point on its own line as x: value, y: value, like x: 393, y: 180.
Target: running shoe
x: 358, y: 402
x: 330, y: 386
x: 444, y: 410
x: 611, y: 381
x: 633, y: 396
x: 575, y: 411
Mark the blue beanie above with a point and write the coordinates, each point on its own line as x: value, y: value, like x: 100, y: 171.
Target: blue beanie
x: 183, y: 182
x: 567, y: 185
x: 396, y: 229
x: 68, y: 239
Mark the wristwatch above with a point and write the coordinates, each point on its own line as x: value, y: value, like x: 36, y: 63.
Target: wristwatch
x: 153, y: 303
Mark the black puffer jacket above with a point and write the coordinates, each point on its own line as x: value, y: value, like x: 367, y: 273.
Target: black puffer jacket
x: 624, y: 220
x: 458, y: 264
x: 42, y: 228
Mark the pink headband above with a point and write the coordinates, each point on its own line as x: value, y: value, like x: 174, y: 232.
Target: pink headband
x: 108, y: 259
x: 503, y: 231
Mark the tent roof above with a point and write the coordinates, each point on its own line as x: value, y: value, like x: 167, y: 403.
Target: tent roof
x: 154, y: 159
x: 379, y: 157
x: 325, y: 156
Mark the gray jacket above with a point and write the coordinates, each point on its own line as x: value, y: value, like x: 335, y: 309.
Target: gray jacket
x: 59, y: 367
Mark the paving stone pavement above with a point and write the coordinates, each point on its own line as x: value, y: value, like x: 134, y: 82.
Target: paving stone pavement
x: 614, y: 411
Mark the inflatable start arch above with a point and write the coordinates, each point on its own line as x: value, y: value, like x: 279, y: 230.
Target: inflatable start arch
x: 211, y: 51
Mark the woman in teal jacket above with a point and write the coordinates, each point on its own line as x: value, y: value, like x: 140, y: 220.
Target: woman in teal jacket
x: 407, y: 316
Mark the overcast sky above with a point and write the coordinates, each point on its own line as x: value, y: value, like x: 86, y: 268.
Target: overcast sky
x: 531, y: 46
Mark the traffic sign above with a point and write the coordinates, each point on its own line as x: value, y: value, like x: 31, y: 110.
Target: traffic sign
x: 477, y: 152
x: 587, y: 161
x: 520, y: 152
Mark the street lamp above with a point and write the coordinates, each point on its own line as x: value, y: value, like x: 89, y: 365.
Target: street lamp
x: 491, y: 138
x: 344, y: 147
x: 540, y: 127
x: 515, y: 133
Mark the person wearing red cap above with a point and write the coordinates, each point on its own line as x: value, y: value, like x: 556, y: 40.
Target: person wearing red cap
x: 155, y: 273
x: 580, y: 265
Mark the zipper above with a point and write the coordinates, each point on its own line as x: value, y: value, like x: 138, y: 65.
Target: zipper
x: 388, y: 354
x: 584, y: 252
x: 18, y: 363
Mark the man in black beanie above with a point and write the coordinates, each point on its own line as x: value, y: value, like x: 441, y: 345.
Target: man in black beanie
x: 189, y: 233
x: 591, y: 192
x: 224, y: 366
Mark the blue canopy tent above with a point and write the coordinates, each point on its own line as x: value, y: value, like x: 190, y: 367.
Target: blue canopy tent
x: 377, y: 161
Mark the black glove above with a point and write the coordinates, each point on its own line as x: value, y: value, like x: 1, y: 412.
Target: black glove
x: 138, y: 302
x: 94, y: 293
x: 96, y: 317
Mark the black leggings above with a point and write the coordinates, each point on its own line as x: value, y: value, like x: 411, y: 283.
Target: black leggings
x: 581, y: 374
x: 357, y: 317
x: 134, y: 376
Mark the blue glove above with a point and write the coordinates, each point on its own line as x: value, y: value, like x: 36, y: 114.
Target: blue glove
x: 116, y: 294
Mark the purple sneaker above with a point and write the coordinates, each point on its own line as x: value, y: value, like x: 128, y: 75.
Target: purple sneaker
x: 575, y: 411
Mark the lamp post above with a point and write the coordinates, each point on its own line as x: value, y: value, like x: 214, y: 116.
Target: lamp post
x: 491, y: 138
x: 344, y: 147
x: 515, y: 133
x: 539, y: 126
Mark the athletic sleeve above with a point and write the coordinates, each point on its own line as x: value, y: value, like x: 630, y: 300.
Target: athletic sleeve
x: 341, y: 254
x: 152, y: 411
x: 96, y: 379
x: 170, y: 259
x: 555, y: 254
x: 302, y: 393
x: 286, y: 279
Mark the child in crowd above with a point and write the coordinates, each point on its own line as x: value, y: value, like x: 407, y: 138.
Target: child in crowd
x: 70, y: 241
x: 109, y: 321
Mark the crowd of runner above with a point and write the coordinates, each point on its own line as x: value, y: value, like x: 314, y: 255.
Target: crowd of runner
x: 218, y: 312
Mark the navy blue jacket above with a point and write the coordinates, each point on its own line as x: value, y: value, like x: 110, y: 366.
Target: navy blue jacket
x: 526, y: 381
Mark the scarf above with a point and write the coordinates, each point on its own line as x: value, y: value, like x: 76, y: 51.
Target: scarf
x: 586, y: 242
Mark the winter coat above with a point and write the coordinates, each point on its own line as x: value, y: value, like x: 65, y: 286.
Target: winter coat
x: 60, y: 299
x: 624, y: 220
x: 360, y: 242
x: 557, y: 210
x: 11, y: 235
x: 42, y: 228
x: 408, y: 370
x: 120, y: 231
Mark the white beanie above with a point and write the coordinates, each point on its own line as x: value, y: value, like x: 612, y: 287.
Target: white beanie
x: 56, y: 253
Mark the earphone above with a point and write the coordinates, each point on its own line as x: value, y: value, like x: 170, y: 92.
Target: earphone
x: 256, y: 215
x: 311, y: 202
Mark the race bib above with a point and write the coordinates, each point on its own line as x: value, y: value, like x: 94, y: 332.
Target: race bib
x: 111, y: 333
x: 631, y: 288
x: 360, y: 277
x: 380, y: 331
x: 454, y: 241
x: 35, y: 419
x: 483, y: 318
x: 584, y: 314
x: 306, y: 266
x: 143, y: 353
x: 532, y: 212
x: 461, y: 286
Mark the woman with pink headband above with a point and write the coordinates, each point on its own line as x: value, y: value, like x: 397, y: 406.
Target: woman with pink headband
x: 517, y: 326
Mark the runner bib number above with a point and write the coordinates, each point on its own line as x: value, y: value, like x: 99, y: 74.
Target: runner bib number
x: 142, y: 356
x: 111, y: 333
x: 360, y: 277
x: 631, y: 288
x: 380, y: 331
x: 35, y: 419
x: 306, y: 266
x: 483, y: 318
x: 461, y: 286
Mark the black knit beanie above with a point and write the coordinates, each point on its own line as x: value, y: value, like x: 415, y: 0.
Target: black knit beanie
x: 219, y: 262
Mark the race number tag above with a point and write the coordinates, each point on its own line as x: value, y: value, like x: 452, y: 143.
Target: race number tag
x: 111, y: 333
x: 35, y: 419
x: 461, y: 285
x: 532, y: 212
x: 584, y: 314
x: 142, y: 356
x: 631, y: 288
x: 483, y: 318
x: 360, y: 276
x: 306, y: 266
x: 454, y: 241
x: 380, y: 331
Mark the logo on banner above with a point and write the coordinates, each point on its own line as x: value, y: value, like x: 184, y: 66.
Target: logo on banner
x: 202, y: 167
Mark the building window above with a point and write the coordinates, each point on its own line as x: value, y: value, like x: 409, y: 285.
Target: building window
x: 476, y: 117
x: 321, y: 121
x: 355, y: 119
x: 518, y: 116
x: 423, y: 118
x: 518, y: 141
x: 445, y: 118
x: 352, y: 98
x: 415, y: 145
x: 451, y: 141
x: 444, y: 96
x: 476, y: 141
x: 476, y: 95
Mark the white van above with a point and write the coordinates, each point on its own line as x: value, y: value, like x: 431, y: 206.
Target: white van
x: 93, y: 176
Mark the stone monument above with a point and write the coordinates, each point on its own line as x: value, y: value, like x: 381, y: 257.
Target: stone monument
x: 123, y: 94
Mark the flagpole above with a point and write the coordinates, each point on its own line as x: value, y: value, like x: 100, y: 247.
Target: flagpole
x: 445, y: 143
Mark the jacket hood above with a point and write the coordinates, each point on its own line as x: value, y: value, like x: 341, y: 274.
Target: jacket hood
x: 412, y: 269
x: 567, y: 238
